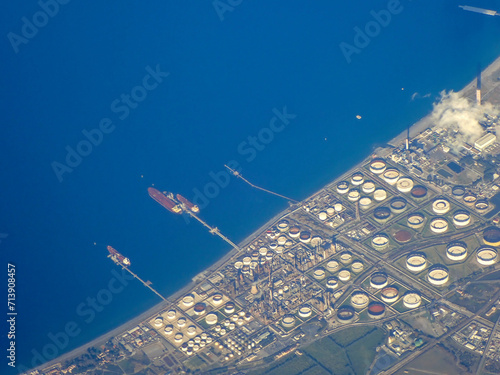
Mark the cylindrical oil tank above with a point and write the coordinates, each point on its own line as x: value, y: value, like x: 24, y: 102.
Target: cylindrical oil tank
x: 405, y: 184
x: 378, y: 166
x: 379, y: 280
x: 391, y: 176
x: 415, y: 220
x: 380, y: 194
x: 380, y: 241
x: 416, y: 261
x: 398, y: 205
x: 438, y: 275
x: 342, y: 187
x: 486, y: 256
x: 368, y: 187
x: 456, y: 251
x: 439, y: 225
x: 461, y: 218
x: 389, y: 294
x: 412, y: 300
x: 376, y: 310
x: 441, y: 206
x: 418, y: 192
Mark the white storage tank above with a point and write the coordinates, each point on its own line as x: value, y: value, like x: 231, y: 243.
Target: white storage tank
x: 389, y: 294
x: 332, y: 266
x: 305, y: 311
x: 461, y: 218
x: 365, y: 203
x: 378, y: 166
x: 380, y: 194
x: 342, y: 187
x: 412, y: 300
x: 379, y: 280
x: 332, y: 282
x: 357, y: 178
x: 439, y: 225
x: 344, y: 275
x: 353, y: 195
x: 357, y: 266
x: 456, y: 251
x: 416, y: 220
x: 346, y: 257
x: 319, y: 274
x: 487, y: 256
x: 368, y: 187
x: 441, y: 206
x: 438, y: 275
x: 359, y: 300
x: 288, y: 321
x: 404, y: 184
x: 391, y: 176
x: 416, y: 261
x: 380, y: 241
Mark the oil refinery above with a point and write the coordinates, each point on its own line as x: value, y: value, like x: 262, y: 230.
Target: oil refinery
x: 401, y: 236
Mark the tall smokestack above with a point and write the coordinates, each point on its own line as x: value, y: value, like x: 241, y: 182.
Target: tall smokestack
x: 478, y: 86
x: 408, y: 138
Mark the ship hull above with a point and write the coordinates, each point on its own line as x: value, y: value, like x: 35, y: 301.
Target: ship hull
x: 166, y: 202
x: 187, y: 203
x: 117, y: 257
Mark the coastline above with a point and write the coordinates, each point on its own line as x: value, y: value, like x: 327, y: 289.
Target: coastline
x: 468, y: 91
x: 151, y: 312
x: 416, y: 128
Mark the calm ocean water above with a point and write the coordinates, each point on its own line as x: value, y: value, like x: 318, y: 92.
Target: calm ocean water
x: 225, y: 78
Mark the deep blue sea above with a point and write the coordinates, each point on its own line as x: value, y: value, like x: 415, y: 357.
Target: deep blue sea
x: 180, y: 89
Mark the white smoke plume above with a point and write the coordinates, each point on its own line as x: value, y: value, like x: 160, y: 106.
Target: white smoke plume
x: 456, y: 112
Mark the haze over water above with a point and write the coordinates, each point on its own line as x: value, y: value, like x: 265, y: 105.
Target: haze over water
x: 225, y: 78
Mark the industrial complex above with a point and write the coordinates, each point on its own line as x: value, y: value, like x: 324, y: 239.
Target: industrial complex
x: 412, y: 231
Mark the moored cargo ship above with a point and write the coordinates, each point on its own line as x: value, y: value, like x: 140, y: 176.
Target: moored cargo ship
x: 187, y: 203
x: 164, y: 200
x: 117, y: 257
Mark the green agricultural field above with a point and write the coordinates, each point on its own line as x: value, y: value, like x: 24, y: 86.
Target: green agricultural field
x: 144, y: 372
x: 362, y: 352
x: 129, y: 366
x: 492, y: 276
x: 195, y: 363
x: 329, y: 355
x: 480, y: 294
x: 316, y: 370
x: 290, y: 365
x: 349, y: 335
x: 111, y: 369
x: 326, y: 356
